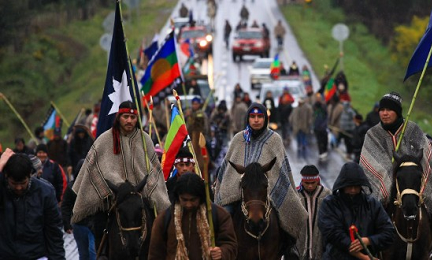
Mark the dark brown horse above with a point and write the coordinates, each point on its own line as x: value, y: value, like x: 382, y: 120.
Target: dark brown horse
x: 408, y: 212
x: 130, y: 222
x: 259, y: 235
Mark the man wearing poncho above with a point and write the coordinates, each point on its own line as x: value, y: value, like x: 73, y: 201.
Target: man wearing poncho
x: 126, y: 162
x: 380, y: 142
x: 257, y: 143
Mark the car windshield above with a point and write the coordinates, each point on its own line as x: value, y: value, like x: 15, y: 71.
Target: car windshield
x: 189, y: 34
x: 294, y: 88
x: 249, y: 35
x: 262, y: 65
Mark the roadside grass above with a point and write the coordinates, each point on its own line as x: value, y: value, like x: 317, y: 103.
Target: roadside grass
x: 367, y: 62
x: 75, y: 47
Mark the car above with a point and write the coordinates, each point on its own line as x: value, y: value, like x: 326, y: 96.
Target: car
x: 200, y: 38
x: 260, y: 72
x: 293, y: 83
x: 250, y: 41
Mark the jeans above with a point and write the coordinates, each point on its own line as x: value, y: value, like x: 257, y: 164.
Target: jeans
x: 301, y: 139
x: 85, y: 242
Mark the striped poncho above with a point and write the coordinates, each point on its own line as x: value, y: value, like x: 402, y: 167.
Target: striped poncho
x: 283, y: 196
x: 376, y: 159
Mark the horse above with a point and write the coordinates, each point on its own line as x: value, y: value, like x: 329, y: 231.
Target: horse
x: 129, y: 223
x: 408, y: 212
x: 256, y: 224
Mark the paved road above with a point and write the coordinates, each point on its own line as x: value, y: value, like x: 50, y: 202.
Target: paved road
x: 226, y: 73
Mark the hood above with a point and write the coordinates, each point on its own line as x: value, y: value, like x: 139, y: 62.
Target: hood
x: 260, y: 106
x: 351, y: 174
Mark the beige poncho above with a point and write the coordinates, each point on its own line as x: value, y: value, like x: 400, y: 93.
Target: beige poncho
x: 101, y: 163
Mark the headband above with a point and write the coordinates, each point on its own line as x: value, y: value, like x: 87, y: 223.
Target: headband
x: 256, y: 111
x: 128, y: 110
x: 185, y: 160
x: 310, y: 178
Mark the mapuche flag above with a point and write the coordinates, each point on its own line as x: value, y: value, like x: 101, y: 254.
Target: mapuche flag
x: 118, y: 82
x: 163, y: 71
x: 52, y: 123
x: 330, y: 90
x: 176, y: 138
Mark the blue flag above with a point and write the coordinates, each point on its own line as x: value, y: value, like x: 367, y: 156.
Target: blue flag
x: 420, y: 54
x: 152, y: 49
x: 118, y: 83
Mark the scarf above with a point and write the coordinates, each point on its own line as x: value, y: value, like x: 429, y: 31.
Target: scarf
x: 203, y: 232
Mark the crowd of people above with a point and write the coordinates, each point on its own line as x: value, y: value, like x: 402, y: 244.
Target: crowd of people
x: 79, y: 203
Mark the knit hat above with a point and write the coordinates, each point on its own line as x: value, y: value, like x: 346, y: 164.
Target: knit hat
x: 392, y: 101
x: 196, y: 99
x: 42, y: 147
x: 310, y: 173
x: 184, y: 155
x: 37, y: 164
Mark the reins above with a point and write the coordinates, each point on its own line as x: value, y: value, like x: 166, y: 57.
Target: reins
x: 399, y: 195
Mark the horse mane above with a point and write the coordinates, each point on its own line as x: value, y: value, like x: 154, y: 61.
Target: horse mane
x: 254, y: 178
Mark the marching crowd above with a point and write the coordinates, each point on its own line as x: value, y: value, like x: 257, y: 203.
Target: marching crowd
x: 63, y: 184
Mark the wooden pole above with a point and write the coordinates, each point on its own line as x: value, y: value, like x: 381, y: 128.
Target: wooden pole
x: 17, y: 114
x: 60, y: 114
x: 134, y: 92
x: 190, y: 147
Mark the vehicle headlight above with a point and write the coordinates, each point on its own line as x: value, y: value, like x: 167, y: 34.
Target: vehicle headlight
x: 209, y: 38
x: 236, y: 44
x: 203, y: 43
x: 258, y: 44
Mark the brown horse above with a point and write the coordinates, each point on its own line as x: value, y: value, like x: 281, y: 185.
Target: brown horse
x: 259, y: 235
x: 130, y: 222
x: 408, y: 212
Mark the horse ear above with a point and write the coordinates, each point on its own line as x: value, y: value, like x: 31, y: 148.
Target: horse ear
x: 142, y: 183
x: 111, y: 185
x: 267, y: 167
x: 239, y: 168
x: 397, y: 157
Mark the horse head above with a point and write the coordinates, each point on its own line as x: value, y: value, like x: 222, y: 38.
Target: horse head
x: 408, y: 181
x: 255, y: 202
x: 130, y: 216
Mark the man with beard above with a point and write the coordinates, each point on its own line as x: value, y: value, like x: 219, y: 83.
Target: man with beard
x: 258, y: 143
x: 350, y: 205
x: 30, y: 226
x: 182, y: 231
x: 380, y: 143
x: 118, y: 155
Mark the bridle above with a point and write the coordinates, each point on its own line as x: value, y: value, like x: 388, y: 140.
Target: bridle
x: 143, y: 226
x: 268, y: 209
x: 398, y: 202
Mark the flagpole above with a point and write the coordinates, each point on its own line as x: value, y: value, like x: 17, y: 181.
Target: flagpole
x: 17, y: 114
x: 134, y: 91
x: 413, y: 99
x: 191, y: 149
x: 60, y: 113
x: 151, y: 119
x: 166, y: 113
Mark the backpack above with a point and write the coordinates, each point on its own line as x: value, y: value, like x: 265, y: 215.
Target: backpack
x: 169, y: 212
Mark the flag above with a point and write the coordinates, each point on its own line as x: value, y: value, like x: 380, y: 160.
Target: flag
x: 152, y: 49
x: 52, y: 123
x: 186, y: 48
x: 75, y: 121
x: 275, y: 67
x: 163, y: 71
x: 118, y: 82
x: 330, y: 90
x: 176, y: 138
x: 418, y: 59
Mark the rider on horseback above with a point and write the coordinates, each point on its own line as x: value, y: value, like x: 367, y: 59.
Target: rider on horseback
x: 382, y: 140
x: 257, y: 143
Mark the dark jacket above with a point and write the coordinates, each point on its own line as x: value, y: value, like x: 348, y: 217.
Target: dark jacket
x: 57, y: 151
x: 30, y: 226
x: 54, y: 174
x: 78, y: 149
x: 339, y: 211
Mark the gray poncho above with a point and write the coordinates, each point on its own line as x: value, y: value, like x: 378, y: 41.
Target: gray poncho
x: 376, y: 159
x: 310, y: 237
x: 284, y: 198
x: 101, y: 163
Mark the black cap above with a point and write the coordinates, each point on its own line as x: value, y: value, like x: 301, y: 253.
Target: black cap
x: 392, y: 101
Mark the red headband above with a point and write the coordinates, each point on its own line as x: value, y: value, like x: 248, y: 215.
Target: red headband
x: 128, y: 110
x: 310, y: 178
